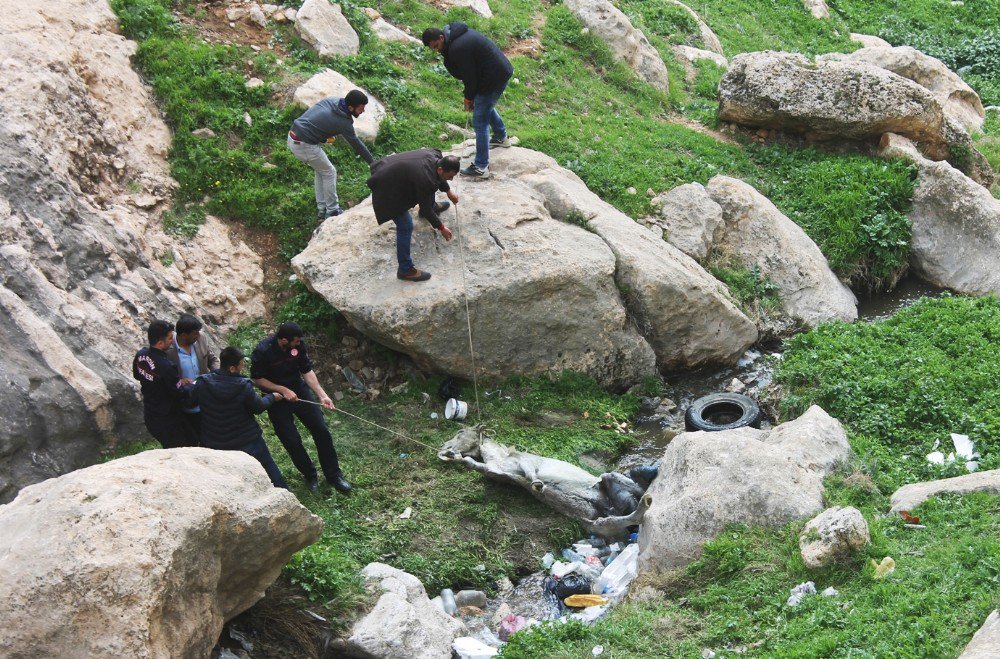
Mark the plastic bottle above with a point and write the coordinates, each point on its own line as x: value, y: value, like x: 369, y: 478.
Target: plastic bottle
x: 572, y: 556
x: 448, y: 599
x: 619, y: 573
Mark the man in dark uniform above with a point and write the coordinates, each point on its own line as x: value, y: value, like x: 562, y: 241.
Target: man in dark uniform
x: 483, y: 68
x: 403, y: 180
x: 228, y: 404
x: 281, y: 363
x: 163, y: 390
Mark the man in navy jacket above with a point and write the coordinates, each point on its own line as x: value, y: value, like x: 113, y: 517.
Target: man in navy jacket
x: 228, y: 404
x: 484, y: 70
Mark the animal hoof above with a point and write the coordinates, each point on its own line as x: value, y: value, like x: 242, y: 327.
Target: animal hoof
x: 537, y: 486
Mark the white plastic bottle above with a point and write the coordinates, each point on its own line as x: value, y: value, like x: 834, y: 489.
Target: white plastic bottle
x: 448, y: 599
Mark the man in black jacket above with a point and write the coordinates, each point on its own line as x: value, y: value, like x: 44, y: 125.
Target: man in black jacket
x: 228, y: 404
x: 404, y: 180
x: 281, y: 363
x: 484, y: 69
x: 163, y: 390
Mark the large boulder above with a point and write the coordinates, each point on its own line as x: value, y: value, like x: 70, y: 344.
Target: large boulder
x: 386, y: 31
x: 322, y: 25
x: 830, y: 100
x: 956, y: 225
x: 84, y: 265
x: 689, y: 218
x: 959, y: 100
x: 481, y: 7
x: 330, y: 83
x: 836, y: 534
x: 817, y: 8
x: 627, y: 43
x: 146, y: 556
x: 689, y: 56
x: 708, y: 38
x: 759, y: 477
x: 544, y: 294
x: 912, y: 495
x: 756, y: 234
x: 403, y: 623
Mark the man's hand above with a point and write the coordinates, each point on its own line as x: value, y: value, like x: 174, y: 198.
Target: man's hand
x: 277, y: 396
x: 288, y: 394
x: 452, y: 196
x: 327, y: 403
x: 446, y: 232
x: 183, y: 382
x: 468, y: 105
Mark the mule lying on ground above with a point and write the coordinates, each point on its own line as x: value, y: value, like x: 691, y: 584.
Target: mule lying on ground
x: 607, y: 504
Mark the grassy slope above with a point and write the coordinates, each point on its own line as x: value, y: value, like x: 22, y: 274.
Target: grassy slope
x: 588, y: 112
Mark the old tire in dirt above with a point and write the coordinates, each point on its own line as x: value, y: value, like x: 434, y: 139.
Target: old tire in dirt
x: 722, y: 412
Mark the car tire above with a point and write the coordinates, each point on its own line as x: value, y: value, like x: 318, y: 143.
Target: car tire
x: 722, y: 412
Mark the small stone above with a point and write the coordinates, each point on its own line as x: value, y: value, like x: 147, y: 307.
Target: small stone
x: 469, y: 611
x: 269, y: 165
x: 425, y: 397
x: 371, y: 13
x: 367, y: 373
x: 142, y: 200
x: 235, y: 14
x: 349, y: 342
x: 585, y: 30
x: 257, y: 15
x: 279, y: 17
x: 255, y: 48
x: 291, y: 14
x: 204, y: 133
x: 356, y: 364
x: 735, y: 386
x: 254, y: 83
x: 293, y: 277
x: 631, y: 190
x: 338, y: 395
x: 650, y: 192
x: 443, y: 136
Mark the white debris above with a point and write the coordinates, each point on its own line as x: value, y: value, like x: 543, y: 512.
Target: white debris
x: 406, y: 513
x: 800, y: 591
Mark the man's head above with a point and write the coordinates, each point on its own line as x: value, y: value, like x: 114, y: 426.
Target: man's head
x: 289, y: 335
x: 356, y: 100
x: 160, y: 334
x: 231, y: 360
x: 188, y: 330
x: 447, y: 167
x: 434, y: 38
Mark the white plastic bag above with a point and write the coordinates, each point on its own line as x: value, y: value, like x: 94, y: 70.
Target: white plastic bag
x: 619, y: 573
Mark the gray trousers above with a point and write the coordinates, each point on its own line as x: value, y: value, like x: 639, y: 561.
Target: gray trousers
x: 326, y: 175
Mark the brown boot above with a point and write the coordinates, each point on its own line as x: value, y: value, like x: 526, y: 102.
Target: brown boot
x: 413, y: 275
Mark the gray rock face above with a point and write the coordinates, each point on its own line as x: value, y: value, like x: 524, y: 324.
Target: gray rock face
x: 627, y: 43
x: 386, y: 31
x: 322, y: 25
x: 81, y: 252
x: 403, y: 623
x: 689, y: 218
x: 146, y: 556
x: 959, y: 100
x: 956, y: 225
x: 817, y: 8
x: 910, y: 496
x: 834, y: 535
x: 755, y: 233
x: 986, y: 642
x: 710, y: 479
x: 544, y: 295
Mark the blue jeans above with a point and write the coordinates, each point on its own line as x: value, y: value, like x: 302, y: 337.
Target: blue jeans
x: 282, y: 415
x: 258, y: 449
x: 404, y: 233
x: 484, y: 118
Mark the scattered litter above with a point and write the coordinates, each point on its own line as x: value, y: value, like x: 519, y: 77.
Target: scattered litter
x: 548, y: 560
x: 425, y: 397
x: 406, y: 513
x: 315, y: 616
x: 590, y: 614
x: 965, y: 450
x: 830, y: 592
x: 707, y: 654
x: 800, y: 591
x: 597, y: 651
x: 353, y: 380
x: 908, y: 518
x: 914, y: 526
x: 448, y: 601
x: 936, y: 458
x: 241, y: 638
x: 466, y: 647
x: 619, y: 573
x: 510, y: 625
x: 226, y: 653
x: 480, y: 568
x: 434, y: 415
x: 403, y: 456
x: 585, y: 600
x: 388, y: 557
x: 573, y: 584
x: 883, y: 569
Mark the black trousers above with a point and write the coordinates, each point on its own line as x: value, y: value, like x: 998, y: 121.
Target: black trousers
x: 282, y: 415
x: 171, y: 430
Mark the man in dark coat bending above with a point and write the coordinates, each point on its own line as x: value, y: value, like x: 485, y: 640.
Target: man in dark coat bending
x: 484, y: 70
x: 404, y: 180
x: 228, y: 403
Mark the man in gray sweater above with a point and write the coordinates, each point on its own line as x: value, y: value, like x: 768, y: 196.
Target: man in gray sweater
x: 321, y: 124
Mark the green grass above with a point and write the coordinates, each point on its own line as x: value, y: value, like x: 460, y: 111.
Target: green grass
x: 733, y: 599
x: 900, y: 384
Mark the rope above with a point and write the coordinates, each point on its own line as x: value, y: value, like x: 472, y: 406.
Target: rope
x: 371, y: 423
x: 468, y: 315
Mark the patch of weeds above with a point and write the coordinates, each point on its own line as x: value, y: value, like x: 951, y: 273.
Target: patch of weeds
x: 900, y: 384
x: 247, y: 335
x: 311, y: 311
x: 183, y: 220
x: 756, y: 295
x: 325, y: 573
x: 579, y: 219
x: 168, y: 258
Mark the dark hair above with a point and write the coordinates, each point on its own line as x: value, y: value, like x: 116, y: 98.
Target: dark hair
x: 432, y: 34
x: 449, y: 163
x: 187, y: 323
x: 355, y: 97
x: 158, y: 330
x: 289, y: 331
x: 230, y: 357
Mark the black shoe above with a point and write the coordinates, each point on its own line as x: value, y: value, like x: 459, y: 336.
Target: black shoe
x: 339, y: 483
x: 503, y: 142
x: 413, y: 275
x: 474, y: 172
x: 335, y: 212
x: 313, y: 484
x: 439, y: 208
